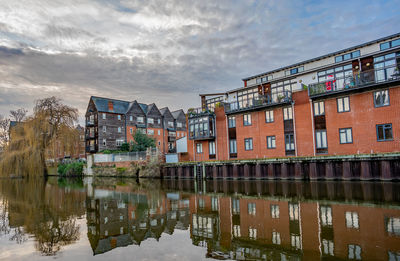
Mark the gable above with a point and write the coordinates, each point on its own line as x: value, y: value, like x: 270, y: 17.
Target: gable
x: 135, y: 109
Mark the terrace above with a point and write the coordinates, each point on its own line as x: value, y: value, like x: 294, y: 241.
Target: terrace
x: 380, y: 77
x: 269, y: 100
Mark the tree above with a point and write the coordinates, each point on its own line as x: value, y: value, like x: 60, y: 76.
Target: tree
x: 18, y: 115
x: 4, y: 127
x: 142, y: 142
x: 125, y: 146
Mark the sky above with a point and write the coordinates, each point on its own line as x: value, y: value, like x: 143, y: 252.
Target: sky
x: 168, y: 52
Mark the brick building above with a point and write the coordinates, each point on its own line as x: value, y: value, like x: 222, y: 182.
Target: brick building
x: 110, y: 123
x: 346, y: 102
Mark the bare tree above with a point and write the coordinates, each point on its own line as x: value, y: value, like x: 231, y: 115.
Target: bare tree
x: 18, y: 115
x: 4, y: 125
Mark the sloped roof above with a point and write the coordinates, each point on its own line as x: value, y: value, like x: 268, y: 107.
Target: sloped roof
x: 144, y: 107
x: 177, y: 113
x: 164, y: 110
x: 118, y: 105
x: 150, y: 107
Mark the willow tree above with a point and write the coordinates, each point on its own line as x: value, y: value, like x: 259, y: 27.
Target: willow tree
x: 26, y: 152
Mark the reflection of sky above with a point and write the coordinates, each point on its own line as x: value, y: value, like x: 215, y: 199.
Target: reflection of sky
x: 170, y: 247
x: 139, y: 49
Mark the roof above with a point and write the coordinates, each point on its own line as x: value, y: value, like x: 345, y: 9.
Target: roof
x: 150, y: 107
x: 144, y: 107
x: 175, y: 114
x: 164, y: 110
x: 325, y: 56
x: 118, y: 105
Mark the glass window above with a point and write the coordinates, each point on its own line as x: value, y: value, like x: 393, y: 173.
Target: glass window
x: 352, y: 220
x: 293, y: 71
x: 326, y: 215
x: 232, y: 146
x: 159, y: 132
x: 150, y: 120
x: 347, y: 56
x: 199, y: 148
x: 289, y: 142
x: 287, y: 113
x: 276, y: 238
x: 231, y: 121
x: 385, y: 46
x: 274, y: 211
x: 328, y: 247
x: 381, y: 98
x: 345, y: 135
x: 179, y: 124
x: 269, y: 116
x: 320, y: 137
x: 338, y: 59
x: 140, y: 119
x: 355, y: 54
x: 104, y: 129
x: 236, y: 230
x: 393, y: 226
x: 150, y: 132
x: 354, y: 252
x: 170, y: 124
x: 248, y: 144
x: 247, y: 119
x: 252, y: 233
x: 236, y: 206
x: 119, y: 117
x: 319, y: 108
x: 396, y: 43
x: 384, y: 132
x: 211, y: 147
x: 104, y: 116
x: 119, y: 129
x: 343, y: 104
x: 271, y: 143
x: 293, y: 211
x: 131, y: 118
x: 131, y: 130
x: 251, y: 209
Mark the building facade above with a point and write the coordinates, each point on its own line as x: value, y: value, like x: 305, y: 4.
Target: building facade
x: 110, y: 123
x: 346, y: 102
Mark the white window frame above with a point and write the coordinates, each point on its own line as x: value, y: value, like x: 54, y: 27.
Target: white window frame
x: 275, y: 211
x: 179, y: 124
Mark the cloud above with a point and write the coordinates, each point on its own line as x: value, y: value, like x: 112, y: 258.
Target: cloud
x: 167, y: 51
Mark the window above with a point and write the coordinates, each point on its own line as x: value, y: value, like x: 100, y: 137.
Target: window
x: 214, y: 204
x: 236, y: 230
x: 140, y: 119
x: 150, y: 132
x: 159, y: 132
x: 328, y: 247
x: 295, y: 241
x: 119, y: 129
x: 211, y: 147
x: 393, y: 226
x: 282, y: 88
x: 347, y: 56
x: 390, y: 44
x: 320, y: 138
x: 201, y: 203
x: 131, y: 130
x: 251, y: 209
x: 246, y: 98
x: 345, y: 135
x: 104, y: 142
x: 231, y: 121
x: 319, y: 108
x: 264, y: 79
x: 394, y: 256
x: 150, y: 120
x: 343, y: 104
x: 159, y: 121
x: 269, y: 116
x: 384, y: 132
x: 381, y: 98
x: 293, y: 211
x: 131, y: 118
x: 232, y: 146
x: 354, y: 252
x: 179, y: 124
x: 287, y: 113
x: 236, y: 206
x: 119, y: 142
x: 119, y: 117
x: 252, y: 233
x: 170, y: 124
x: 274, y: 211
x: 104, y: 128
x: 271, y: 144
x: 104, y: 116
x: 385, y: 66
x: 294, y: 71
x: 248, y: 144
x: 276, y: 238
x: 337, y: 74
x: 326, y: 215
x: 289, y: 142
x: 352, y: 220
x: 199, y: 148
x: 247, y: 119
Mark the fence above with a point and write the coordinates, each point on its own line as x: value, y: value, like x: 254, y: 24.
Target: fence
x: 128, y: 156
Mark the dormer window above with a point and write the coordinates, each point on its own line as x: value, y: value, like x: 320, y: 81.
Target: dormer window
x: 110, y: 106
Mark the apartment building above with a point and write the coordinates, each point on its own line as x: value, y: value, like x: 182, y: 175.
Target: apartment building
x: 345, y: 102
x: 110, y: 123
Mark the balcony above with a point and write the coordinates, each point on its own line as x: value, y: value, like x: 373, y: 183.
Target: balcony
x: 89, y: 123
x: 90, y: 135
x: 202, y: 126
x: 199, y: 112
x: 91, y: 148
x: 274, y: 99
x: 382, y: 77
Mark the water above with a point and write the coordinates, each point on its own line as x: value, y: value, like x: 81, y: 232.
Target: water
x: 123, y: 219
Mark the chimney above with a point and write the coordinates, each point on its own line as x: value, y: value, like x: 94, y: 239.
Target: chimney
x: 110, y: 106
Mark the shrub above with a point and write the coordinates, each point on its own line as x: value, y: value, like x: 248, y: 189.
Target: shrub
x: 70, y: 169
x: 121, y: 170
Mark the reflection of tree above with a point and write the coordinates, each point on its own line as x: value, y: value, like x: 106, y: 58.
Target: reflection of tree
x: 34, y: 206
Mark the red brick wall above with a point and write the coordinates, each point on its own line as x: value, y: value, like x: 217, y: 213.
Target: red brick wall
x: 303, y: 118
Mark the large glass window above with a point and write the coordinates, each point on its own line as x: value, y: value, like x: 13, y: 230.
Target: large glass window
x: 140, y: 119
x: 246, y: 98
x: 345, y: 135
x: 289, y: 142
x: 287, y: 113
x: 247, y: 119
x: 384, y: 132
x: 343, y: 104
x: 319, y: 108
x: 269, y: 116
x: 232, y: 146
x: 280, y: 89
x: 212, y: 102
x: 381, y: 98
x: 337, y: 74
x: 294, y: 211
x: 385, y: 66
x: 271, y: 143
x: 248, y: 144
x: 320, y: 138
x: 390, y: 44
x: 200, y: 127
x: 347, y: 56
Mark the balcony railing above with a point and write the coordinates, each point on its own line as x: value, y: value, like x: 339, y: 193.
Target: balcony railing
x: 90, y: 123
x: 360, y: 80
x: 198, y: 112
x: 266, y: 101
x: 91, y: 148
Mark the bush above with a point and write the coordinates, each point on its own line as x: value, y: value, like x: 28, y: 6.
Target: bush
x: 121, y: 170
x: 70, y: 169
